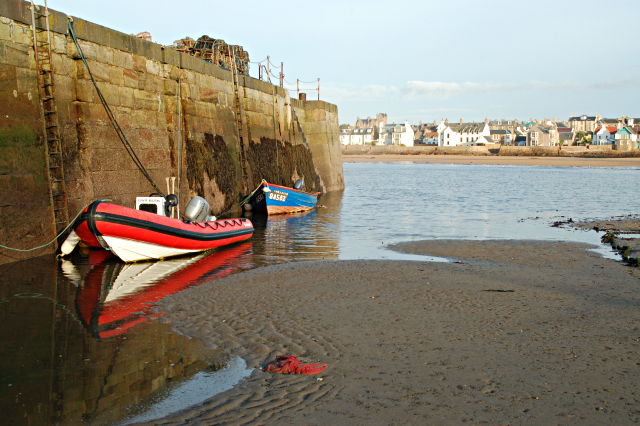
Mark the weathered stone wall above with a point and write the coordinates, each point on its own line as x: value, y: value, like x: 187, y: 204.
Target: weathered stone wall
x: 25, y: 214
x: 177, y: 111
x: 319, y: 124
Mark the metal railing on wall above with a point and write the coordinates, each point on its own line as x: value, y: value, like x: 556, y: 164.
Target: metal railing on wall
x: 266, y: 72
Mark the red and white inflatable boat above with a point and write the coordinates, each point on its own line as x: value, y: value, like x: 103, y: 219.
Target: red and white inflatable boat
x: 135, y: 235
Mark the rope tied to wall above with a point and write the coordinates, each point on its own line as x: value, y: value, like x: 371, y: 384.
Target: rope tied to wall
x: 112, y: 117
x: 71, y: 223
x: 245, y: 200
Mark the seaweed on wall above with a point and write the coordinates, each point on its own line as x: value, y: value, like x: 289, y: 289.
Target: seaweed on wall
x: 211, y: 157
x: 290, y: 161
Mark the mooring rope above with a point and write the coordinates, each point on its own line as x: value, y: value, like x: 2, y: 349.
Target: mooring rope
x: 54, y: 238
x: 112, y: 118
x: 248, y: 197
x: 245, y: 199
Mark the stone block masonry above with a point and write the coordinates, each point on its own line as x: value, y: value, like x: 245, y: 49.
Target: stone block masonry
x: 171, y: 106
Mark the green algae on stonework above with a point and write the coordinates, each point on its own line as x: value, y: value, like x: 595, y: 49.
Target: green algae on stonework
x: 28, y: 160
x: 18, y: 136
x: 21, y: 150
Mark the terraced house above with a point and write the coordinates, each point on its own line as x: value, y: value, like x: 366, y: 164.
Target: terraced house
x: 465, y: 134
x: 583, y: 123
x: 626, y: 138
x: 351, y: 136
x: 605, y: 134
x: 501, y: 136
x: 396, y: 134
x: 539, y: 135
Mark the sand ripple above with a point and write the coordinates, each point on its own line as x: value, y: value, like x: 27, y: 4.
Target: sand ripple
x: 420, y: 342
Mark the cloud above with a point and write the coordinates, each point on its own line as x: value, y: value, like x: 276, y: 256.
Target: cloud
x: 444, y: 90
x: 443, y: 110
x: 414, y: 89
x: 369, y: 92
x: 417, y: 89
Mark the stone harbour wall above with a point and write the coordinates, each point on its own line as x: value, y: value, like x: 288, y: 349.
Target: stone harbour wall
x: 179, y: 113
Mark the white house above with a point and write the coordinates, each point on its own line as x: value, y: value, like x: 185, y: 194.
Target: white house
x: 604, y: 135
x: 484, y: 140
x: 455, y: 134
x: 430, y: 138
x: 350, y: 136
x: 396, y: 134
x: 345, y: 135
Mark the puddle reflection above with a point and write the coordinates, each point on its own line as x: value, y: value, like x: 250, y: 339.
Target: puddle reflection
x: 77, y: 343
x: 307, y: 236
x: 114, y: 296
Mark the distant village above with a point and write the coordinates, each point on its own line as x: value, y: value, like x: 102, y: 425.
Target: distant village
x: 619, y: 133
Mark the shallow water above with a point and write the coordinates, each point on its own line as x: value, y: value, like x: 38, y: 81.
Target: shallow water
x: 192, y: 391
x: 80, y: 343
x: 387, y: 203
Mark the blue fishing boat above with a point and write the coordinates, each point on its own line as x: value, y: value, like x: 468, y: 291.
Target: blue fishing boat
x: 274, y: 199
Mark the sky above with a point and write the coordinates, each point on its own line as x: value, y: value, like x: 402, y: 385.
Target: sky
x: 419, y: 61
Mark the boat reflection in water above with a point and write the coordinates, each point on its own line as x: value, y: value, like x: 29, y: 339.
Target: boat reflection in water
x: 307, y: 236
x: 115, y: 296
x: 55, y: 372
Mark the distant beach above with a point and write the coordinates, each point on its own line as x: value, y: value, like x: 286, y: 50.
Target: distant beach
x: 495, y: 159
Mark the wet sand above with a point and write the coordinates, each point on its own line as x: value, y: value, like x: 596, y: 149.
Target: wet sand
x: 516, y: 332
x: 495, y: 160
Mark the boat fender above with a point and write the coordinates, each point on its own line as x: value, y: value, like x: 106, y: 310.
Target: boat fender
x: 70, y: 271
x: 197, y: 210
x: 299, y: 184
x: 69, y: 244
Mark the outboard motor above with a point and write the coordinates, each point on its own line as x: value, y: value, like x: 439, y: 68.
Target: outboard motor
x: 197, y: 210
x: 299, y: 184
